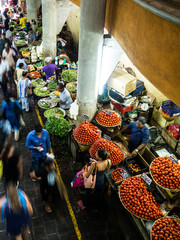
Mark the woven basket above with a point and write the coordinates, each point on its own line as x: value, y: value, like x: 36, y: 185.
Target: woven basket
x: 158, y: 220
x: 130, y: 211
x: 166, y: 189
x: 83, y: 147
x: 113, y: 125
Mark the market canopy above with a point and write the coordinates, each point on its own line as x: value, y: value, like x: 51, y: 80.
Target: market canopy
x: 150, y: 41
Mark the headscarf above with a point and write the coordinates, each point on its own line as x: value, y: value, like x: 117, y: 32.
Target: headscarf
x: 48, y: 59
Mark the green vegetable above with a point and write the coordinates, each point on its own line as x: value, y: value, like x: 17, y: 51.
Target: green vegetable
x: 71, y: 87
x: 39, y: 64
x: 36, y: 82
x: 55, y: 100
x: 44, y: 104
x: 39, y: 30
x: 14, y: 32
x: 52, y: 86
x: 69, y: 75
x: 22, y: 34
x: 25, y: 49
x: 12, y: 24
x: 38, y: 92
x: 52, y: 112
x: 20, y: 43
x: 57, y: 126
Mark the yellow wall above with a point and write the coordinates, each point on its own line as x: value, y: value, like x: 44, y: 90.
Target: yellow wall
x: 151, y: 42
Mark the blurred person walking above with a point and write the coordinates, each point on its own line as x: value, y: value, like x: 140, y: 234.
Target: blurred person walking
x: 39, y: 144
x: 16, y: 209
x: 24, y: 85
x: 11, y: 109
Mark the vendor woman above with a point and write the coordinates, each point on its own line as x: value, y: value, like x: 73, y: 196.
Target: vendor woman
x: 139, y: 135
x: 50, y: 69
x: 65, y: 97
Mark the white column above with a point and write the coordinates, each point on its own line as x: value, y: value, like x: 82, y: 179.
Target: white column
x: 31, y: 6
x: 49, y: 22
x: 92, y: 17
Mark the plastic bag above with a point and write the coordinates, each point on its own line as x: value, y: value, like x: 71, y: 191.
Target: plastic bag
x: 175, y: 130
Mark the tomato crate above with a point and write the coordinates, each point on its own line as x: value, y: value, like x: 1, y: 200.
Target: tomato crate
x: 168, y: 137
x: 139, y: 161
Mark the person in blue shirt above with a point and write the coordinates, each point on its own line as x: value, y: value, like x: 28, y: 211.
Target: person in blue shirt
x: 139, y: 135
x: 39, y: 144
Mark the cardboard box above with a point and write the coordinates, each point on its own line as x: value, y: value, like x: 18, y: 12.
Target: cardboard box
x: 168, y: 137
x: 122, y: 82
x: 157, y: 116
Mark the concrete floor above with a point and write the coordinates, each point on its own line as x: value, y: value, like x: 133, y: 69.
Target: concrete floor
x: 112, y: 222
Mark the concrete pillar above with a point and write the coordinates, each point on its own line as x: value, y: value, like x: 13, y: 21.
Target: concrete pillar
x: 49, y: 22
x: 92, y: 17
x: 31, y: 6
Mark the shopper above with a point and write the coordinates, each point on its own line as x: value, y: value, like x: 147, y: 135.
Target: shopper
x: 17, y: 210
x: 24, y: 83
x: 12, y: 111
x: 12, y: 164
x: 6, y: 18
x: 9, y: 54
x: 23, y: 20
x: 9, y: 34
x: 64, y: 96
x: 32, y: 36
x: 48, y: 185
x: 23, y: 60
x: 4, y: 72
x: 39, y: 144
x: 50, y: 69
x: 101, y: 166
x: 18, y: 75
x: 139, y: 135
x: 3, y: 41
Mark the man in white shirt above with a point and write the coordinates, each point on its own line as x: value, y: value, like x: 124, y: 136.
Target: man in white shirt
x: 4, y: 69
x: 65, y: 97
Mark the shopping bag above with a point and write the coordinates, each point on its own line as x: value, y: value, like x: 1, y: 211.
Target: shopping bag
x: 79, y: 179
x: 91, y: 180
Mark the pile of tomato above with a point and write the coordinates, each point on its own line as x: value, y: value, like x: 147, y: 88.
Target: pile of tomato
x: 138, y: 200
x: 166, y: 172
x: 108, y: 118
x: 116, y: 156
x: 116, y: 175
x: 86, y: 133
x: 166, y: 228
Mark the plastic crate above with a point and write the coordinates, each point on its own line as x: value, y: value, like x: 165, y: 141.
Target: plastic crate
x: 138, y: 161
x: 122, y: 108
x: 170, y: 108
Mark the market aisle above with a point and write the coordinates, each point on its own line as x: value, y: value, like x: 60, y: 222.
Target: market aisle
x: 111, y: 223
x: 44, y: 226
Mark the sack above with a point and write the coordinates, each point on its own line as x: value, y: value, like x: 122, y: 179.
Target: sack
x: 79, y: 179
x: 1, y: 168
x: 91, y: 180
x: 175, y: 130
x: 28, y: 91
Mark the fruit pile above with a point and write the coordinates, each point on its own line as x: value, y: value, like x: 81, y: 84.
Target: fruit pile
x: 166, y: 228
x: 116, y: 175
x: 86, y: 133
x: 138, y: 200
x: 166, y: 172
x: 108, y: 118
x: 116, y: 156
x: 135, y: 167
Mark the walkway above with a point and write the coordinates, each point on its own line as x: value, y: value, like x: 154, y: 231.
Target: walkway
x: 111, y: 223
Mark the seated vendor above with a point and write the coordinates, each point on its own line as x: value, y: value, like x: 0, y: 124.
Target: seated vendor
x: 32, y: 36
x: 50, y: 69
x: 65, y: 97
x: 139, y: 135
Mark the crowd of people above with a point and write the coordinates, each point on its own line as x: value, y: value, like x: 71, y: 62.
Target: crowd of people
x: 16, y: 85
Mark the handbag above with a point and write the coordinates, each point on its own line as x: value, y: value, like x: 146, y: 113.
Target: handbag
x: 28, y: 91
x: 79, y: 179
x: 91, y: 180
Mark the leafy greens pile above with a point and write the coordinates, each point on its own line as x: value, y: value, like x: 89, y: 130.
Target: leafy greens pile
x: 57, y: 126
x: 51, y: 112
x: 52, y: 86
x: 69, y: 75
x: 38, y: 91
